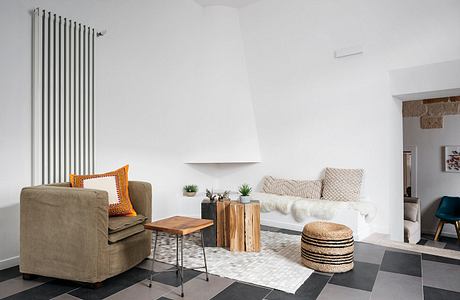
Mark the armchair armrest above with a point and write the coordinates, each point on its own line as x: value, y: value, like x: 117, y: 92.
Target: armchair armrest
x: 64, y: 232
x: 140, y: 194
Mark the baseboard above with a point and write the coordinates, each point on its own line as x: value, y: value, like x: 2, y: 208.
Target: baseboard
x: 284, y: 225
x: 9, y: 262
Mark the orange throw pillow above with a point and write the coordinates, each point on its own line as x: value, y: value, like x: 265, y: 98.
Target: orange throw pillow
x: 115, y: 184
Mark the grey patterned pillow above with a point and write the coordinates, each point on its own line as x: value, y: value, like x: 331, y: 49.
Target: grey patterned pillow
x: 298, y: 188
x: 342, y: 184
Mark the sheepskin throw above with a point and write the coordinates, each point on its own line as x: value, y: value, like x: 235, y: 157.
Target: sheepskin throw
x: 297, y: 188
x: 302, y: 208
x: 342, y: 184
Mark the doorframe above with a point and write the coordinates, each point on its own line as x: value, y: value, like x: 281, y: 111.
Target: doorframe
x: 413, y: 171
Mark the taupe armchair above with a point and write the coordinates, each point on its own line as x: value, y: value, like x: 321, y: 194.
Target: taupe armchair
x: 67, y: 233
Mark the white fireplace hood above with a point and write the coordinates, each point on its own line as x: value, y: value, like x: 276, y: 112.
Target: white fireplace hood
x: 224, y: 131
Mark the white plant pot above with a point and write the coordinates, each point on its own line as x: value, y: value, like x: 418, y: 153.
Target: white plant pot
x: 189, y: 194
x: 245, y: 199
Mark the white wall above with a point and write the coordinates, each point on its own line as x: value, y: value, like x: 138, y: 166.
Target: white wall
x: 432, y: 181
x: 146, y: 66
x: 426, y: 81
x: 223, y: 125
x: 314, y: 111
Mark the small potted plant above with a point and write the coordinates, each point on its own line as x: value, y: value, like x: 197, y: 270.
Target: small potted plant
x: 245, y: 191
x: 213, y: 197
x: 190, y: 190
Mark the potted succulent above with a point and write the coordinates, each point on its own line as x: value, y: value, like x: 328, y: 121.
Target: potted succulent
x: 245, y: 191
x: 190, y: 190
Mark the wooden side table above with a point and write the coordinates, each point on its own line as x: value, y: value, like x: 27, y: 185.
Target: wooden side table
x: 179, y: 226
x: 237, y: 225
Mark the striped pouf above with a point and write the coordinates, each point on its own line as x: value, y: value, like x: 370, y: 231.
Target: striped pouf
x: 327, y: 247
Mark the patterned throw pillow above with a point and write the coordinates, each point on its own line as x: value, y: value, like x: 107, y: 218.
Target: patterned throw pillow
x: 115, y: 183
x: 298, y: 188
x: 342, y: 184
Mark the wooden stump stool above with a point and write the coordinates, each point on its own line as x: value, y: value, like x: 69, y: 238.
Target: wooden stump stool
x: 327, y: 247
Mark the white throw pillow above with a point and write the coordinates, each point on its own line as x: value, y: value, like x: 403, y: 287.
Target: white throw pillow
x: 298, y: 188
x: 342, y: 184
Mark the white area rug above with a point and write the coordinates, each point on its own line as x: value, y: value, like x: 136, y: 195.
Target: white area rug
x: 278, y: 265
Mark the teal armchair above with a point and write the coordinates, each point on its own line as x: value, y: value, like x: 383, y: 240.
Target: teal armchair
x: 448, y: 212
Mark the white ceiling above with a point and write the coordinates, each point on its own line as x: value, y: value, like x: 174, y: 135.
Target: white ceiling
x: 230, y: 3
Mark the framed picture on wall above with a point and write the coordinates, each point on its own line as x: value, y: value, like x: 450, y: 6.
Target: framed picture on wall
x: 452, y: 159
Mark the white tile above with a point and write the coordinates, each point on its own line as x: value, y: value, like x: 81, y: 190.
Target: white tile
x: 435, y: 244
x: 441, y: 275
x: 141, y: 291
x: 65, y: 297
x: 332, y: 291
x: 396, y: 286
x: 17, y: 285
x: 200, y: 289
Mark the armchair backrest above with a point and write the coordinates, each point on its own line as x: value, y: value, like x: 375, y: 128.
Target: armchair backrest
x: 449, y: 205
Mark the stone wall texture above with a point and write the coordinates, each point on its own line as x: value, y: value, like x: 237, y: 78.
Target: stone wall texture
x: 432, y: 111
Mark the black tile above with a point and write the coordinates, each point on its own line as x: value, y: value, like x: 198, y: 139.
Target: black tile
x: 440, y: 259
x: 9, y: 273
x: 403, y: 263
x: 170, y: 278
x: 112, y: 285
x: 313, y: 286
x: 453, y: 246
x: 431, y: 293
x: 46, y: 291
x: 427, y: 236
x: 291, y: 232
x: 422, y: 242
x: 269, y: 228
x: 280, y: 295
x: 239, y: 291
x: 361, y: 277
x: 449, y: 240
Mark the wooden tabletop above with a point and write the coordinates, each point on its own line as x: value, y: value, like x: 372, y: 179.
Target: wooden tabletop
x: 179, y: 225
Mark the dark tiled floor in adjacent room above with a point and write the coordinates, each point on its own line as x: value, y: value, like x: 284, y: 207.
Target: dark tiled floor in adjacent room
x: 379, y: 273
x: 444, y: 242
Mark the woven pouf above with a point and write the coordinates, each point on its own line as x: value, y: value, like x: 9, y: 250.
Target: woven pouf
x: 327, y: 247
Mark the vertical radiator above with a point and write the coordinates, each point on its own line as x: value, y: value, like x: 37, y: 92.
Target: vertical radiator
x: 63, y: 98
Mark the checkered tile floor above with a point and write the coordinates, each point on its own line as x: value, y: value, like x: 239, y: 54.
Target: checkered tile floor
x: 379, y: 273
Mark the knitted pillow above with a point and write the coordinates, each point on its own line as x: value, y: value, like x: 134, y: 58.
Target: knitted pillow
x: 342, y: 184
x: 298, y: 188
x: 115, y: 184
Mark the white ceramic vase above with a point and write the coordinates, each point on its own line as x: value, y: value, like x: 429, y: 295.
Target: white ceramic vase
x: 245, y: 199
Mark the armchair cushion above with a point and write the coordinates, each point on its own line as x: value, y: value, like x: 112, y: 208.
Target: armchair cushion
x: 122, y: 234
x: 117, y: 224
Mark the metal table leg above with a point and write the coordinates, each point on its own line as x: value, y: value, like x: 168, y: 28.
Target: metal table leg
x: 204, y: 256
x: 182, y: 265
x: 177, y: 254
x: 153, y: 258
